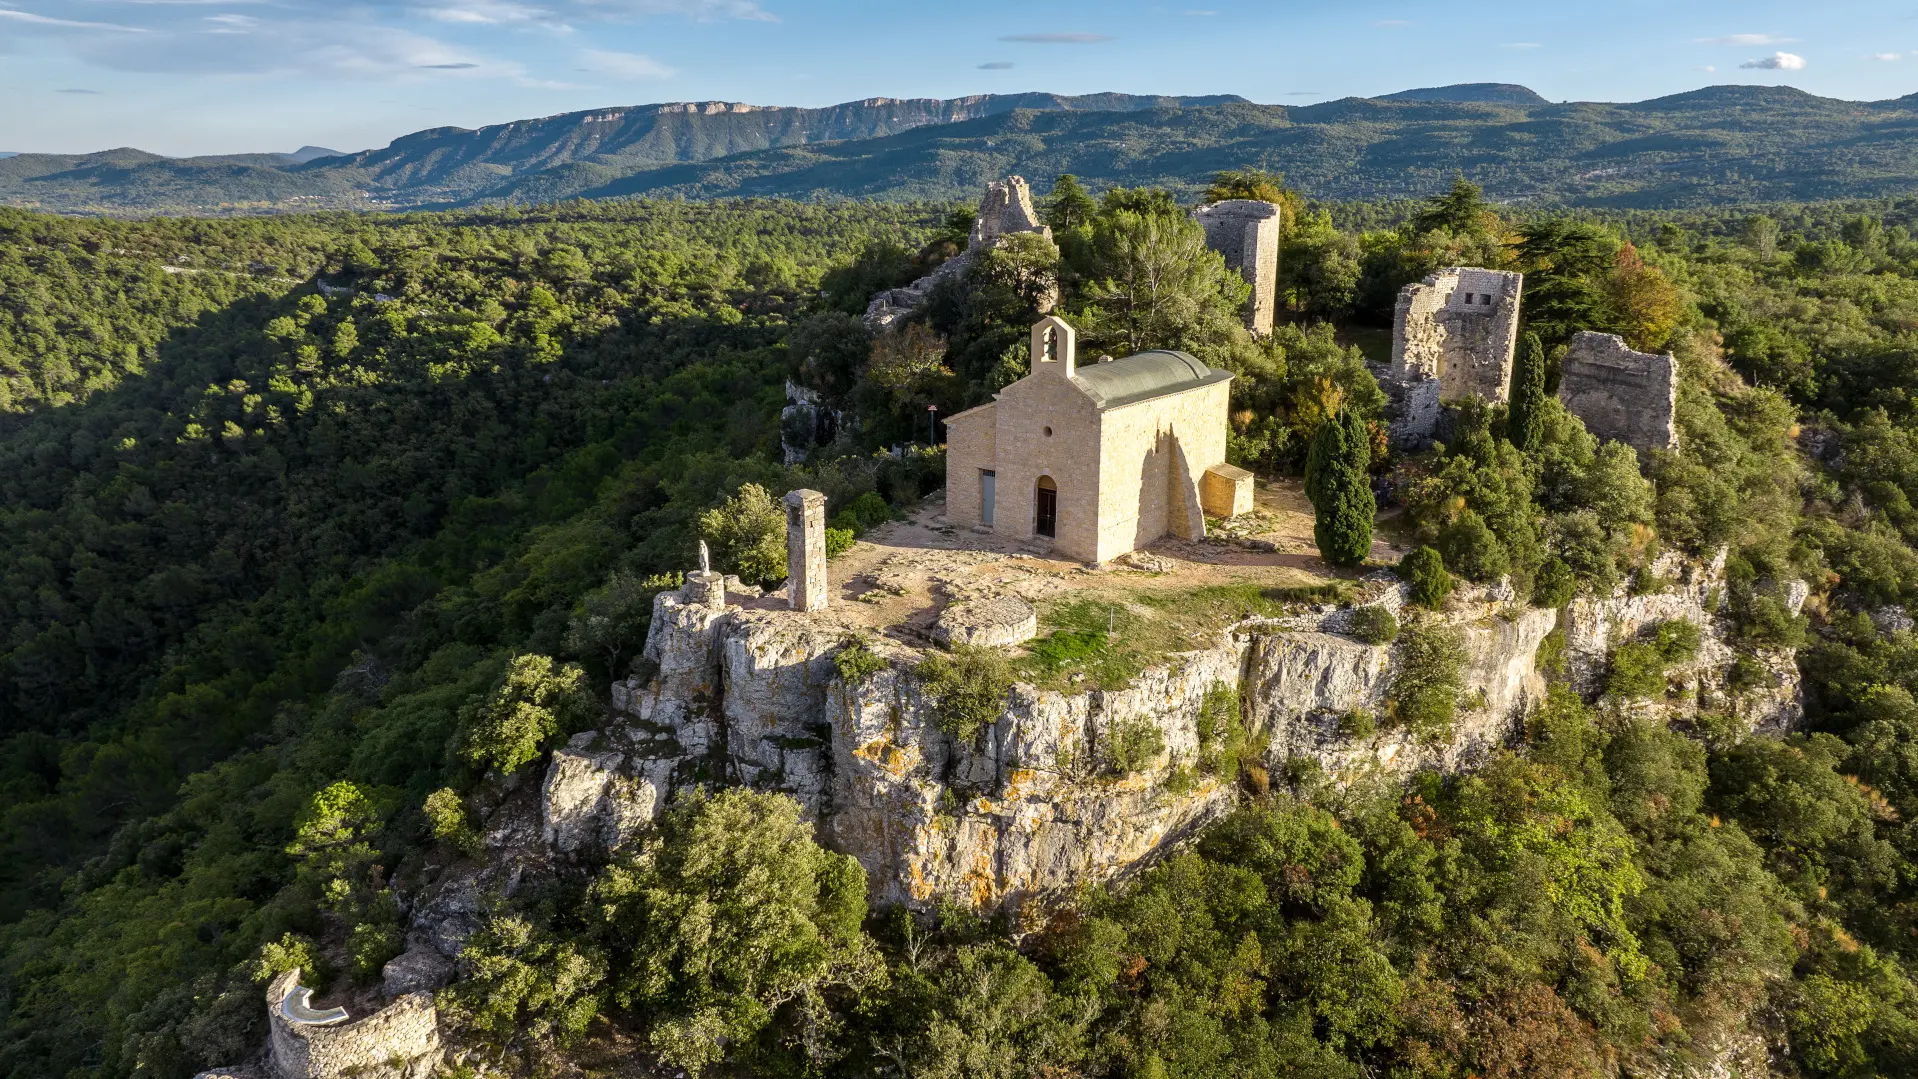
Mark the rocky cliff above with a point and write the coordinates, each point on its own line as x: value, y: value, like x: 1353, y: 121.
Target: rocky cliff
x: 1033, y: 806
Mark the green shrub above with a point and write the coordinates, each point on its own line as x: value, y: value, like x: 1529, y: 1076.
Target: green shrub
x: 1676, y: 640
x: 1469, y: 547
x: 856, y: 662
x: 371, y: 945
x: 748, y: 535
x: 1745, y: 675
x: 968, y: 689
x: 1554, y: 585
x: 1133, y: 744
x: 289, y: 952
x: 1424, y: 570
x: 533, y: 701
x: 447, y: 819
x: 1424, y: 697
x: 1223, y: 740
x: 1637, y: 671
x: 1375, y: 625
x: 838, y: 541
x: 868, y: 510
x: 1358, y: 724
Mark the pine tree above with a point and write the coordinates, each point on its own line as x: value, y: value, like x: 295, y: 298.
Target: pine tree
x: 1340, y: 492
x: 1525, y: 421
x: 1069, y: 206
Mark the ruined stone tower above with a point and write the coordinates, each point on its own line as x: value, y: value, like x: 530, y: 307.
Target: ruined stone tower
x: 1622, y: 395
x: 1005, y: 209
x: 806, y: 550
x: 1246, y: 232
x: 1454, y: 335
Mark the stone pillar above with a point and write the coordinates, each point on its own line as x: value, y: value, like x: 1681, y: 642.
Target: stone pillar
x: 806, y: 550
x: 1246, y: 232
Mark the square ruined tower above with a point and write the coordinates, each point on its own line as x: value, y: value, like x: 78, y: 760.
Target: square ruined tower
x: 806, y: 550
x: 1246, y: 232
x: 1454, y: 335
x: 1621, y: 394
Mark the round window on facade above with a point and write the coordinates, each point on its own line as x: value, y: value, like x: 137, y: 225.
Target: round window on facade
x: 1048, y: 432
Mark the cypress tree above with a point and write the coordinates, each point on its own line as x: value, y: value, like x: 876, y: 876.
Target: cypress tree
x: 1328, y: 446
x: 1341, y: 495
x: 1526, y: 419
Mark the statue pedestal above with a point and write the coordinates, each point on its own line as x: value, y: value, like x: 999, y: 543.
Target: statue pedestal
x: 705, y: 588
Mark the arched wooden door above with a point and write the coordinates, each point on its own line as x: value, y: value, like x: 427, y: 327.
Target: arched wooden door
x: 1046, y: 508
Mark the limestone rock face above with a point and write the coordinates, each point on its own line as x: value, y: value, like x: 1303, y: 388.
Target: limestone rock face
x: 1594, y: 627
x: 418, y: 970
x: 1043, y: 800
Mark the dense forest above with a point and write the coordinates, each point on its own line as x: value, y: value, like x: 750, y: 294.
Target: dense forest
x: 320, y: 530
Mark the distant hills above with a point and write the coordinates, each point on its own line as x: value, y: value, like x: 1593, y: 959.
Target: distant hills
x: 1722, y: 144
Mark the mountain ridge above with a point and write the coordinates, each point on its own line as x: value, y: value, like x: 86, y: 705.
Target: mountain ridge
x: 1710, y: 145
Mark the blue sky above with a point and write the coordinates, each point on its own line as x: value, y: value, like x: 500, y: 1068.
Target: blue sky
x: 222, y: 76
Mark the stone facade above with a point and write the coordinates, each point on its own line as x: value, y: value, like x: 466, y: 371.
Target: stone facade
x: 1116, y: 450
x: 1454, y: 335
x: 400, y: 1041
x: 1246, y: 232
x: 1622, y: 395
x: 806, y: 550
x: 1005, y: 209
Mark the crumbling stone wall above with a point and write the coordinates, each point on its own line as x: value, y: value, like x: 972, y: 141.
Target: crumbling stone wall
x: 400, y: 1041
x: 1460, y: 326
x: 1454, y: 335
x: 1622, y: 395
x: 1005, y: 209
x: 1246, y: 232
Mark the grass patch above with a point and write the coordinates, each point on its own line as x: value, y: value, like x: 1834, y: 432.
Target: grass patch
x: 1110, y: 637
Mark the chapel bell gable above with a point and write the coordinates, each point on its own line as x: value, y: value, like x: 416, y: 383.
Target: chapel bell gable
x: 1054, y: 345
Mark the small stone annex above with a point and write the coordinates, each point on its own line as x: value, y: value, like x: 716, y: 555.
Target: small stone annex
x: 1096, y: 460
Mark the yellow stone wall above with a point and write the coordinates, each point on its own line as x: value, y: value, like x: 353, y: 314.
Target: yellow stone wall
x: 1069, y: 455
x: 1226, y: 491
x: 971, y: 438
x: 1152, y: 454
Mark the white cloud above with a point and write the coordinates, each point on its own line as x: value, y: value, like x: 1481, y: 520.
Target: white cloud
x: 630, y: 66
x: 996, y: 65
x: 1709, y: 68
x: 31, y: 19
x: 1389, y: 23
x: 1057, y: 39
x: 1884, y: 57
x: 1778, y: 61
x: 1745, y: 41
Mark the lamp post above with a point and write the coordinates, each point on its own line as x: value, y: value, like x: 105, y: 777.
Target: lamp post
x: 932, y: 426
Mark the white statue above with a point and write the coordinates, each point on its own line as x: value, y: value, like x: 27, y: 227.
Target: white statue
x: 705, y: 558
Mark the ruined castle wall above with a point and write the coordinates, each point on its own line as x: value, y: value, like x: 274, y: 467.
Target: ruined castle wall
x: 1460, y: 326
x: 1622, y: 395
x: 400, y: 1041
x: 1246, y: 233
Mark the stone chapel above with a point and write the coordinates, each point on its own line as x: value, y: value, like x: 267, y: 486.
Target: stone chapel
x: 1096, y: 460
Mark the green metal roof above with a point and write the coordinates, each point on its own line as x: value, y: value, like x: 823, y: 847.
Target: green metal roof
x: 1142, y: 377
